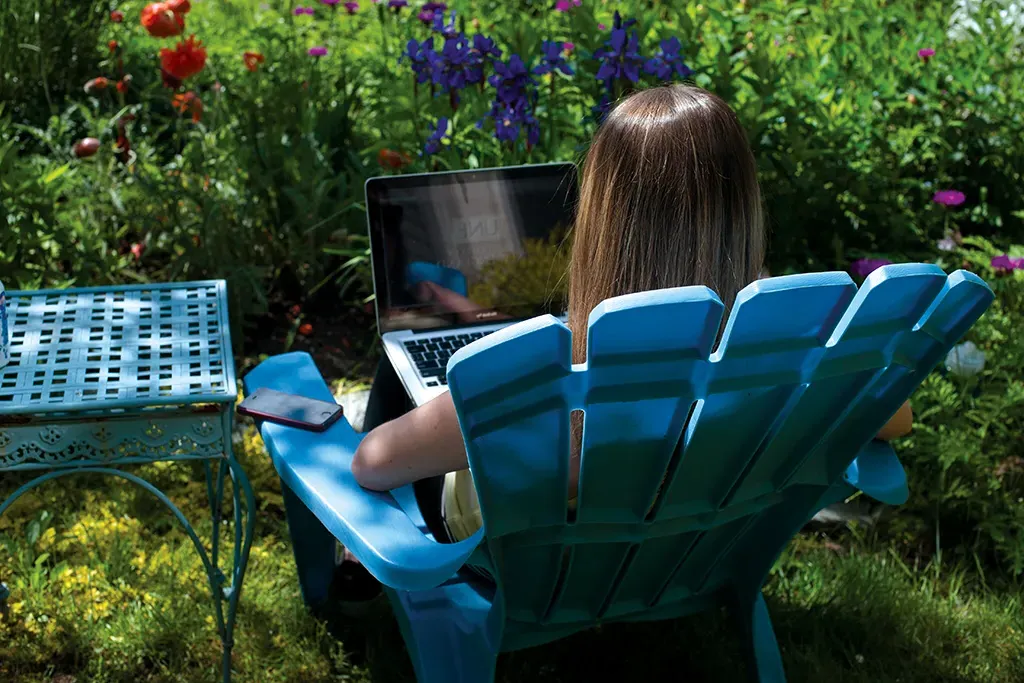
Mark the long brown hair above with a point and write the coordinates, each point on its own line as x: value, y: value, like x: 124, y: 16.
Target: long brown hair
x: 669, y: 198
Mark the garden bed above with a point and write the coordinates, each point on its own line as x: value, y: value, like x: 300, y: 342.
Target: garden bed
x: 881, y: 133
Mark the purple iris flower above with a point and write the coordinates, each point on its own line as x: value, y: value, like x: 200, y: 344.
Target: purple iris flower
x: 485, y: 47
x: 553, y: 59
x: 447, y: 30
x: 510, y: 121
x: 511, y: 80
x: 512, y: 109
x: 620, y: 58
x: 433, y: 145
x: 423, y: 57
x: 668, y: 62
x: 483, y: 52
x: 452, y: 69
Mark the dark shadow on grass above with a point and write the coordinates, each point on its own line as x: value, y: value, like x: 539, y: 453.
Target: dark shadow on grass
x: 842, y: 640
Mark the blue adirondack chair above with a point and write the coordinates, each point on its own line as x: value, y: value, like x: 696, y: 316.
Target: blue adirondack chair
x: 698, y: 466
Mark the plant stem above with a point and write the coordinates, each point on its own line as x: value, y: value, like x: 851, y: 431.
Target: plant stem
x: 383, y: 29
x: 551, y: 114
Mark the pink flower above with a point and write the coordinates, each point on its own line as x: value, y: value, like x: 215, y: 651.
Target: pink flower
x: 949, y: 197
x: 318, y: 51
x: 1006, y: 263
x: 137, y: 250
x: 865, y: 266
x: 299, y: 11
x: 352, y: 7
x: 926, y: 53
x: 601, y: 27
x: 568, y: 47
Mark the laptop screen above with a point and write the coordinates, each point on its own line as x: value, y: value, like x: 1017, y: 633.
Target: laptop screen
x: 470, y: 247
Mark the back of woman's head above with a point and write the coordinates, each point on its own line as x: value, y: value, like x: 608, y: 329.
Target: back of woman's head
x: 669, y: 198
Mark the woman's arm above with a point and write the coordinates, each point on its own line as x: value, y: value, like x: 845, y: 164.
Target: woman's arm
x: 899, y: 425
x: 425, y: 442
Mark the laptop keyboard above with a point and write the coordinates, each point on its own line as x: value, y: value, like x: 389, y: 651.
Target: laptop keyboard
x: 431, y: 354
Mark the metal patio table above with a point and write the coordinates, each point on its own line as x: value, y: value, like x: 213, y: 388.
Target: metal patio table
x: 105, y: 377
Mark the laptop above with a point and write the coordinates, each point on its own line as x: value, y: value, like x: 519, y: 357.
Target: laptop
x: 458, y: 255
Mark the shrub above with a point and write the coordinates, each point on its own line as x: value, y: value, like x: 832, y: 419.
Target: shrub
x: 47, y: 51
x: 964, y: 458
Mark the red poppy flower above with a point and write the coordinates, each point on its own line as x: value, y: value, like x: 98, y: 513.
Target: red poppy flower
x: 305, y: 329
x: 137, y: 250
x: 96, y: 84
x: 389, y: 158
x: 295, y: 310
x: 86, y: 147
x: 122, y: 85
x: 186, y: 59
x: 179, y: 6
x: 189, y: 102
x: 252, y: 60
x: 112, y: 46
x: 117, y: 17
x: 160, y: 21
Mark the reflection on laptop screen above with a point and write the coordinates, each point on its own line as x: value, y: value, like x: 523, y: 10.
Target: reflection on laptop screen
x: 470, y: 247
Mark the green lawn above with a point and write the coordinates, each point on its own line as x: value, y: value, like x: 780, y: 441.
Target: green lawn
x: 111, y: 591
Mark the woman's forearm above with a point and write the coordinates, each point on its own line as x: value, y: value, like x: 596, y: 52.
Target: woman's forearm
x: 425, y: 442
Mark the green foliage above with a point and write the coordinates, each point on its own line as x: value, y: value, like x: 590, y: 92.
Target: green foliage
x: 55, y: 228
x: 47, y: 51
x: 853, y: 131
x: 964, y: 457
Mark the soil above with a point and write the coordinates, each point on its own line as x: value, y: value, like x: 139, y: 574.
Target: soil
x: 341, y: 338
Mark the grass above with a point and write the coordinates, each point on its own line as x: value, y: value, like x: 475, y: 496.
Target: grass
x: 111, y: 591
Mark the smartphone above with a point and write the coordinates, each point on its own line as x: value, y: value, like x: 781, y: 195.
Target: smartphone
x: 290, y: 409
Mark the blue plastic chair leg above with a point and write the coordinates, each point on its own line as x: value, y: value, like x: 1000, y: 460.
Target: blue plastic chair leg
x: 314, y: 548
x: 443, y: 647
x: 762, y: 650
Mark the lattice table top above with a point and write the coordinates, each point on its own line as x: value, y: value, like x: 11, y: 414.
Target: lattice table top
x: 119, y: 348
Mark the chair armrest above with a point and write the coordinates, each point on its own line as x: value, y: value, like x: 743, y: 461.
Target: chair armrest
x: 318, y: 470
x: 877, y: 472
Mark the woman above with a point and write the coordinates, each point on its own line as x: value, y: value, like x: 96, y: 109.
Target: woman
x: 669, y: 198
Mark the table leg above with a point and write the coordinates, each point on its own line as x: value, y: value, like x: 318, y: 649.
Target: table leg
x: 243, y: 534
x: 243, y: 537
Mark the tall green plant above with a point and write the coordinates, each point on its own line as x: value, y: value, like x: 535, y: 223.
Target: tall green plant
x: 47, y: 51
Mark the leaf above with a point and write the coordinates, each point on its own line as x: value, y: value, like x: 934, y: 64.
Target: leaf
x: 33, y: 532
x: 56, y: 173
